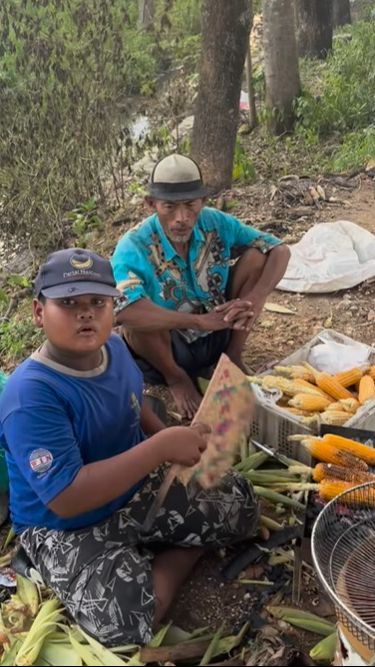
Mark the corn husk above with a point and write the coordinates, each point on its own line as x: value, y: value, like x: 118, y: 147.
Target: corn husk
x: 324, y: 651
x: 303, y: 619
x: 45, y: 622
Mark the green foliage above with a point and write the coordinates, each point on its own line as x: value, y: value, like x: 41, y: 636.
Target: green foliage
x: 179, y: 31
x: 85, y: 218
x: 64, y: 69
x: 243, y: 168
x: 16, y: 280
x: 338, y: 101
x: 18, y: 338
x: 346, y: 100
x: 357, y: 149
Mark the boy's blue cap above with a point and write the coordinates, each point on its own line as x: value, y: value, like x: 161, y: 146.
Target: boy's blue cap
x: 74, y: 272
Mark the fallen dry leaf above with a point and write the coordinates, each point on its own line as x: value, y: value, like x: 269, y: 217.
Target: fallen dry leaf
x: 277, y: 308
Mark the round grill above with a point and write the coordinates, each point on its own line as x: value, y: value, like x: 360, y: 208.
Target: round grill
x: 343, y: 549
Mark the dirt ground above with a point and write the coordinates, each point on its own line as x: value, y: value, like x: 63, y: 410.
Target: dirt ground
x: 287, y: 211
x: 207, y: 599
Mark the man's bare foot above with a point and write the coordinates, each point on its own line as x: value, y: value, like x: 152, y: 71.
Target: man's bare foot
x: 185, y: 394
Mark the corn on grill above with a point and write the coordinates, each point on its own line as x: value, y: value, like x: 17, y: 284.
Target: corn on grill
x: 343, y: 550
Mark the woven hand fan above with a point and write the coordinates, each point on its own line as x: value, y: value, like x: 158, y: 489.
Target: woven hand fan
x: 227, y: 407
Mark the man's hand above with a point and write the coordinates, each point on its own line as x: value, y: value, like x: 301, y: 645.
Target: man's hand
x: 184, y: 444
x: 246, y: 321
x: 238, y: 313
x: 226, y: 316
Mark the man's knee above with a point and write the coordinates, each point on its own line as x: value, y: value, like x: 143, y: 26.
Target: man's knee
x: 252, y: 259
x: 247, y: 270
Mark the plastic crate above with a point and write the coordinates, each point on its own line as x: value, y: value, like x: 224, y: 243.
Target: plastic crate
x: 272, y: 427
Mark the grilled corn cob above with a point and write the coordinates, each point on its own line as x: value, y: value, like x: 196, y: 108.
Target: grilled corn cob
x: 330, y: 488
x: 366, y: 389
x: 363, y: 452
x: 332, y: 471
x: 371, y: 372
x: 324, y: 451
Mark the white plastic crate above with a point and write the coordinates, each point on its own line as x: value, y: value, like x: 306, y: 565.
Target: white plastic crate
x: 272, y: 427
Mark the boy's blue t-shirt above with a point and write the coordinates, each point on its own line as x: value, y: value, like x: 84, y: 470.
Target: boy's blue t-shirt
x: 54, y: 420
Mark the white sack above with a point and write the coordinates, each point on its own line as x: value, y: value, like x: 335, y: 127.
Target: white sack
x: 331, y: 256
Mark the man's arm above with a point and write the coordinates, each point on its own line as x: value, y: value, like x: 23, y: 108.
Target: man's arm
x: 274, y: 268
x: 144, y: 315
x: 273, y: 271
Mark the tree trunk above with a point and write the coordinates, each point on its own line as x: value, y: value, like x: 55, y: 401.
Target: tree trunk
x: 315, y: 27
x: 280, y: 63
x: 253, y: 119
x: 146, y: 11
x: 225, y: 36
x: 341, y: 13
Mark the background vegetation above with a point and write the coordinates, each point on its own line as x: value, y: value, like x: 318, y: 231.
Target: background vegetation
x: 72, y: 76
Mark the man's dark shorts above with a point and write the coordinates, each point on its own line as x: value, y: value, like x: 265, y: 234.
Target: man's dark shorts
x: 192, y: 357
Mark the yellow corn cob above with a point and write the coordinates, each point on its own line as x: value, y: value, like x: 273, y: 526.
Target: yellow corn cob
x: 296, y: 372
x: 324, y: 451
x: 312, y: 422
x: 348, y: 378
x: 309, y: 402
x: 335, y: 417
x: 331, y: 386
x: 371, y: 372
x: 363, y: 452
x: 330, y: 470
x: 366, y: 389
x: 270, y: 382
x: 288, y: 387
x: 349, y: 404
x: 335, y: 406
x: 307, y: 388
x: 296, y: 411
x: 330, y: 488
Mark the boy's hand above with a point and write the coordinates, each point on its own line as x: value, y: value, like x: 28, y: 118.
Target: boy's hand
x: 184, y: 444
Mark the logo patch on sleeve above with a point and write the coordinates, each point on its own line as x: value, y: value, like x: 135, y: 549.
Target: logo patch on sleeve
x: 40, y: 460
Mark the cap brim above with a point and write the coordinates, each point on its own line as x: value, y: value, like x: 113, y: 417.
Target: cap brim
x: 164, y: 194
x: 79, y: 289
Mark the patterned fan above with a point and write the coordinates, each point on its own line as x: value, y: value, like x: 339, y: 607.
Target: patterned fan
x: 227, y: 408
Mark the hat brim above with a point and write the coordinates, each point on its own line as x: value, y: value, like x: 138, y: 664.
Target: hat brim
x: 168, y: 194
x: 79, y: 289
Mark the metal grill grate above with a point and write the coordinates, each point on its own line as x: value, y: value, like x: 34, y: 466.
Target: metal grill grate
x: 343, y: 549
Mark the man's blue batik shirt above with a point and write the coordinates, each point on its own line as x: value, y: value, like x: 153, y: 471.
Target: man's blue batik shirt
x: 146, y: 265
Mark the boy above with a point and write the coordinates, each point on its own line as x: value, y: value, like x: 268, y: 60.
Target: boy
x: 84, y: 457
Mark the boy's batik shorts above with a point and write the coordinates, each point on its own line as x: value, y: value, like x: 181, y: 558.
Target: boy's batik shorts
x: 103, y: 574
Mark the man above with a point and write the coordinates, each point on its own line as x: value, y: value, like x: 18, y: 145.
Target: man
x: 85, y: 457
x: 183, y: 303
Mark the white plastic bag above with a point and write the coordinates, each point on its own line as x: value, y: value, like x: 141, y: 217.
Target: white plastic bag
x: 333, y: 357
x: 331, y: 256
